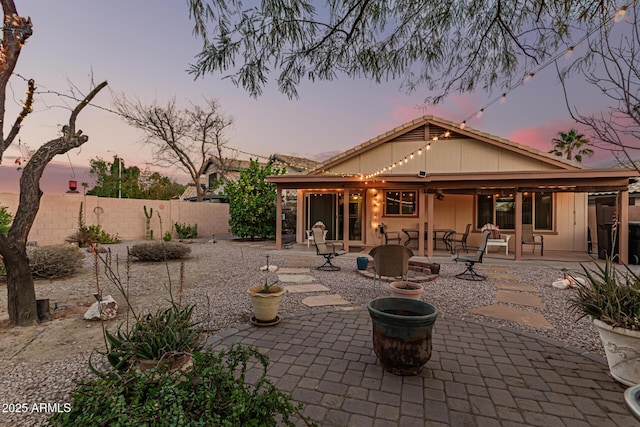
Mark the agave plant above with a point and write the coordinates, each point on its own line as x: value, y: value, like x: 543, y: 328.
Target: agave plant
x: 162, y: 335
x: 609, y: 295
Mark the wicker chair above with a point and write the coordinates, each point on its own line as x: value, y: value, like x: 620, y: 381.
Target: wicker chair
x: 390, y: 261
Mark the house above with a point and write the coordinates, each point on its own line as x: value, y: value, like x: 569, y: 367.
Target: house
x: 217, y: 173
x: 431, y: 174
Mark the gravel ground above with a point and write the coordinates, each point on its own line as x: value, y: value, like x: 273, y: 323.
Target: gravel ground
x: 216, y: 278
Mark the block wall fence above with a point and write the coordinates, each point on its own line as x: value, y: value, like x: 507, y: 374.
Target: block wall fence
x: 57, y: 217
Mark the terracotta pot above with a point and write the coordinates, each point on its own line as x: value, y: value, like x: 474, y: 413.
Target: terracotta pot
x: 435, y: 268
x: 622, y: 348
x: 397, y: 289
x: 266, y: 305
x: 180, y: 362
x: 402, y: 333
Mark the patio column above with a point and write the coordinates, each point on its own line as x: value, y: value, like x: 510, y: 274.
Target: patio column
x: 518, y: 220
x: 345, y: 219
x: 623, y: 226
x: 421, y: 202
x: 430, y: 202
x: 278, y: 216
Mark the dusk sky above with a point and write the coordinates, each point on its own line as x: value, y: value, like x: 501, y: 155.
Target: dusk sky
x: 143, y: 49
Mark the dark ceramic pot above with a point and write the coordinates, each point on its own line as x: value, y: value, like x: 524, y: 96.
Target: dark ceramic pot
x: 402, y: 330
x: 362, y: 262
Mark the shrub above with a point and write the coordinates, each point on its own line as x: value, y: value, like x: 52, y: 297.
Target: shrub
x: 54, y: 262
x: 98, y: 235
x: 212, y: 393
x: 167, y: 236
x: 186, y: 231
x: 5, y: 220
x: 159, y: 251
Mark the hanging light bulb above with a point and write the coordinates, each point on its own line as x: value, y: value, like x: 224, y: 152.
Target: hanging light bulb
x: 528, y: 77
x: 568, y: 53
x: 503, y: 98
x: 406, y: 160
x: 619, y: 16
x: 420, y: 152
x: 447, y: 134
x: 429, y: 146
x: 435, y: 138
x: 480, y: 113
x: 463, y: 124
x: 411, y: 156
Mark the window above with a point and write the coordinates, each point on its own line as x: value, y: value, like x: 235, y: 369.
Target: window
x: 537, y: 209
x: 400, y: 203
x: 212, y: 180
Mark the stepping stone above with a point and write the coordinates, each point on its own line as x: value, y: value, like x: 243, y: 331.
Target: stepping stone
x: 296, y: 289
x: 524, y: 317
x: 295, y: 278
x: 519, y: 298
x: 321, y: 300
x: 293, y: 270
x: 502, y: 276
x: 515, y: 287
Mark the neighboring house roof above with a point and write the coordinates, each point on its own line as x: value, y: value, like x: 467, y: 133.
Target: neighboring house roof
x: 295, y: 163
x: 434, y: 127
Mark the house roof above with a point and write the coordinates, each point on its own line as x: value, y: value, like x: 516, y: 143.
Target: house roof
x: 299, y: 164
x: 456, y: 131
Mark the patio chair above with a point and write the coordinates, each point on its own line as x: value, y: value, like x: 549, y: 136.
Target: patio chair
x: 528, y: 238
x: 390, y: 261
x: 471, y: 260
x: 460, y: 238
x: 310, y: 236
x: 328, y: 250
x: 392, y: 236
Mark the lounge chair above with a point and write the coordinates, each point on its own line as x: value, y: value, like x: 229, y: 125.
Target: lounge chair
x: 471, y: 260
x: 328, y: 250
x: 390, y: 261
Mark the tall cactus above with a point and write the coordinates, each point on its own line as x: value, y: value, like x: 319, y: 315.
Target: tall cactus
x: 148, y: 214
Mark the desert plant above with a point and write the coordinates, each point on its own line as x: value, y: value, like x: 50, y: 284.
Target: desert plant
x: 186, y: 231
x: 148, y: 215
x: 162, y: 336
x: 167, y: 236
x: 5, y: 220
x: 609, y: 295
x: 214, y: 391
x: 159, y: 251
x: 54, y: 262
x: 98, y: 235
x: 82, y: 238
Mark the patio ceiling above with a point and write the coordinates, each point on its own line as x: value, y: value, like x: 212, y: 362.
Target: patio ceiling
x: 582, y: 180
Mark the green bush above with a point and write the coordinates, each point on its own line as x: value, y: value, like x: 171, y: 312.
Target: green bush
x: 186, y: 231
x: 167, y: 236
x: 98, y: 235
x: 212, y: 393
x: 159, y: 251
x: 5, y: 220
x: 54, y: 262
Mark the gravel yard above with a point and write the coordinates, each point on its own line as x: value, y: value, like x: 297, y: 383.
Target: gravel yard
x: 39, y: 364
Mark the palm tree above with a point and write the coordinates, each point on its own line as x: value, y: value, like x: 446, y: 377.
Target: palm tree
x: 570, y: 143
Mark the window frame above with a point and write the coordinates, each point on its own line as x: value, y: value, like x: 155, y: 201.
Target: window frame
x: 414, y: 214
x: 533, y: 195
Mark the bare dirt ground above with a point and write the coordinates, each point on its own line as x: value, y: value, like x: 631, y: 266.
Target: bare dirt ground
x: 67, y: 333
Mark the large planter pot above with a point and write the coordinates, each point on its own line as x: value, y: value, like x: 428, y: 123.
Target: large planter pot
x: 406, y: 289
x: 622, y: 348
x: 362, y: 262
x: 265, y: 305
x: 402, y: 330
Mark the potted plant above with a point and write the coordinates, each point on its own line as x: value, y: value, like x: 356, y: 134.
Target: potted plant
x: 612, y: 299
x: 166, y: 337
x: 402, y: 333
x: 266, y: 301
x: 406, y: 289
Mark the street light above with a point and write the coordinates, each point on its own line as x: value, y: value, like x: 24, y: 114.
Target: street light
x: 119, y: 173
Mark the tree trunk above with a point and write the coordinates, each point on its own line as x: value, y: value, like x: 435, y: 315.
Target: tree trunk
x: 20, y: 290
